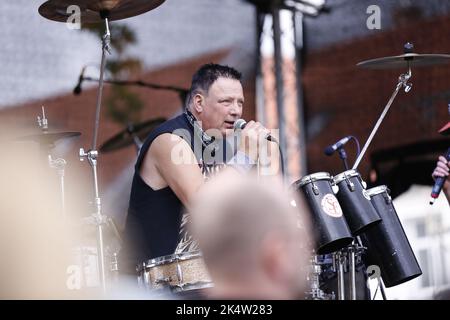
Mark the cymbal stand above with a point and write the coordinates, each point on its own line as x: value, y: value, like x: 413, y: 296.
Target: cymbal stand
x: 92, y: 155
x: 339, y: 260
x: 402, y: 82
x: 59, y: 164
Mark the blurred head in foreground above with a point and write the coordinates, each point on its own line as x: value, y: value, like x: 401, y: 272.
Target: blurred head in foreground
x: 33, y: 243
x: 254, y: 242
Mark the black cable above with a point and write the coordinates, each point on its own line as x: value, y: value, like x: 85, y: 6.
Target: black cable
x: 181, y: 91
x: 281, y: 158
x: 358, y: 149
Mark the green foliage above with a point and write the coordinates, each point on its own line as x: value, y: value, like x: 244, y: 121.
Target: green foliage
x: 122, y: 105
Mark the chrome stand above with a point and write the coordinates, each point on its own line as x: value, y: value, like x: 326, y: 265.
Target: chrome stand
x: 59, y: 164
x: 352, y: 265
x: 340, y: 262
x: 92, y: 155
x: 315, y: 293
x: 402, y: 82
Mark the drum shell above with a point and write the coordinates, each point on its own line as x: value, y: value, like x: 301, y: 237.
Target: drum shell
x: 179, y: 272
x: 388, y: 246
x: 331, y: 233
x: 357, y: 207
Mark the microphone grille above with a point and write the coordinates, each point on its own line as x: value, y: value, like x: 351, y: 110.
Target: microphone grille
x: 239, y: 124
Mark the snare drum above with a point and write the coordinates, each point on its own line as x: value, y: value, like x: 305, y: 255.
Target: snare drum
x: 332, y: 231
x: 387, y: 244
x: 358, y: 210
x: 178, y: 272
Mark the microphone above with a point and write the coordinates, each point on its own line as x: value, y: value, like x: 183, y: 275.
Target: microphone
x: 439, y: 183
x: 241, y: 123
x: 77, y: 89
x: 331, y: 149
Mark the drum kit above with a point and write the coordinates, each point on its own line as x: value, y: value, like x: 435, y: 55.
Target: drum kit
x: 355, y: 223
x: 350, y: 221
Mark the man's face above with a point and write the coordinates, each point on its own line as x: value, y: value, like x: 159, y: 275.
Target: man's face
x: 222, y: 105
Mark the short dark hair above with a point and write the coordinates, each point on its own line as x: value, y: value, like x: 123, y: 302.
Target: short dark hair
x: 207, y: 75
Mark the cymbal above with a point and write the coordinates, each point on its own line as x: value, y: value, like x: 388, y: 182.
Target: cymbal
x: 90, y: 10
x: 125, y: 137
x: 49, y: 138
x: 402, y: 61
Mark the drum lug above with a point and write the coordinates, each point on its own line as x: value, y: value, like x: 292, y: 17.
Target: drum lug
x: 387, y: 198
x: 350, y: 184
x: 315, y: 189
x: 179, y: 273
x: 364, y: 184
x: 335, y: 188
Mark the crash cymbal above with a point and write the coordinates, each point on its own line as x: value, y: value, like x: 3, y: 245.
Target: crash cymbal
x: 126, y: 137
x: 90, y: 10
x: 49, y: 138
x: 405, y: 60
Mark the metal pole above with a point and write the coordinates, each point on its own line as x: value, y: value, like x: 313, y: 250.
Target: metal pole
x: 352, y: 272
x: 298, y: 42
x: 402, y: 82
x: 92, y: 156
x: 105, y: 48
x: 340, y: 275
x: 279, y: 81
x: 259, y: 81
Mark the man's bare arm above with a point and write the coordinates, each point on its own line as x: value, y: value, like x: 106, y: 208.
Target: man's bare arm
x: 171, y: 162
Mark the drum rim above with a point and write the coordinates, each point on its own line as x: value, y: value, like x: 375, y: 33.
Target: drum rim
x: 172, y: 258
x: 376, y: 190
x: 349, y: 173
x: 317, y: 176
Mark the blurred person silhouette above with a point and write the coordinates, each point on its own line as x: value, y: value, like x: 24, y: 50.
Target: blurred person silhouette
x: 255, y: 243
x: 34, y: 243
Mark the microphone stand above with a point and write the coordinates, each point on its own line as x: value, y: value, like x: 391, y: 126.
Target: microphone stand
x: 343, y: 156
x: 351, y: 250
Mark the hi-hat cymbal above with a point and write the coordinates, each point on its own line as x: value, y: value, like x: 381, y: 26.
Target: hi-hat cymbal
x: 49, y: 138
x: 405, y: 60
x: 57, y: 10
x: 126, y: 137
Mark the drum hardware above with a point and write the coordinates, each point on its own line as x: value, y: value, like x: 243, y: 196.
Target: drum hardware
x: 351, y: 251
x: 177, y: 273
x: 332, y: 231
x: 47, y: 141
x: 356, y: 206
x: 133, y: 133
x: 93, y: 12
x: 339, y: 258
x: 387, y: 243
x: 315, y: 293
x: 407, y: 60
x: 345, y: 260
x: 354, y: 250
x: 59, y: 164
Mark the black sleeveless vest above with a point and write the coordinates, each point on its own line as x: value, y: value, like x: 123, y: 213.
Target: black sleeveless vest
x: 154, y: 216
